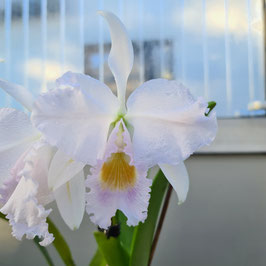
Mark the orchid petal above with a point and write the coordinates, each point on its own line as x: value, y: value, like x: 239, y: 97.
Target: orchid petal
x: 93, y: 88
x: 41, y: 160
x: 103, y: 200
x: 10, y: 184
x: 18, y: 92
x: 24, y: 208
x: 178, y: 177
x: 169, y: 124
x: 25, y: 215
x: 70, y: 199
x: 121, y: 56
x: 16, y: 136
x: 76, y: 119
x: 62, y: 169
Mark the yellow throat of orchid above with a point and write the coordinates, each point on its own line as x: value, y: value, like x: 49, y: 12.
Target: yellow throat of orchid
x: 117, y: 173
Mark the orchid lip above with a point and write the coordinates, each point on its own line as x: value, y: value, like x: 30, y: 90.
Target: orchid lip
x: 117, y: 182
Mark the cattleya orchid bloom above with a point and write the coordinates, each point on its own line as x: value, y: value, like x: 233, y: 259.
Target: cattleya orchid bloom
x: 160, y: 124
x: 27, y: 162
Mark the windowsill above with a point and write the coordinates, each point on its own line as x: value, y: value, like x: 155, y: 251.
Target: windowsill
x: 241, y: 135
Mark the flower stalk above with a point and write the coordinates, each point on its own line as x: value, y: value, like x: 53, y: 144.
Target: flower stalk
x: 160, y: 223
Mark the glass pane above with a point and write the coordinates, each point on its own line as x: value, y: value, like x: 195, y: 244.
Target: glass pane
x: 214, y: 47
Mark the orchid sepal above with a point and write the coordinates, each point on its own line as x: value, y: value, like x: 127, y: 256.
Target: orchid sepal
x: 121, y: 56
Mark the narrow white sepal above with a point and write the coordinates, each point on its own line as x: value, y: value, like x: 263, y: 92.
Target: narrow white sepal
x: 121, y: 56
x: 19, y: 93
x: 62, y: 170
x: 177, y: 176
x: 70, y: 199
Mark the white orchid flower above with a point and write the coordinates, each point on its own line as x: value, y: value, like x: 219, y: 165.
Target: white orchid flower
x: 161, y: 123
x: 27, y: 162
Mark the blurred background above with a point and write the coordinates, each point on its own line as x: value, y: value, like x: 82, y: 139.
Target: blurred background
x: 217, y: 49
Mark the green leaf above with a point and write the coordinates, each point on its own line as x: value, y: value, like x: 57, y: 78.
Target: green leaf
x: 60, y: 244
x: 211, y: 106
x: 143, y: 233
x: 113, y: 252
x: 126, y: 232
x: 98, y: 259
x: 43, y: 251
x: 2, y: 216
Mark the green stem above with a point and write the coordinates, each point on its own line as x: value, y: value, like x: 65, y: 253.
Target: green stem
x: 161, y: 221
x: 144, y: 233
x: 36, y: 241
x: 98, y: 259
x: 60, y: 244
x: 43, y: 251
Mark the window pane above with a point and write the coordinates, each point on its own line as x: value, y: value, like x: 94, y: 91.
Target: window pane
x: 214, y: 47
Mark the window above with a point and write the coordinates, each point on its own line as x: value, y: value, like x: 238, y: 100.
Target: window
x: 147, y: 51
x: 216, y: 48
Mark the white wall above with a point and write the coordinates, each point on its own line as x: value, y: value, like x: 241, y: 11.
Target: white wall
x: 222, y: 223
